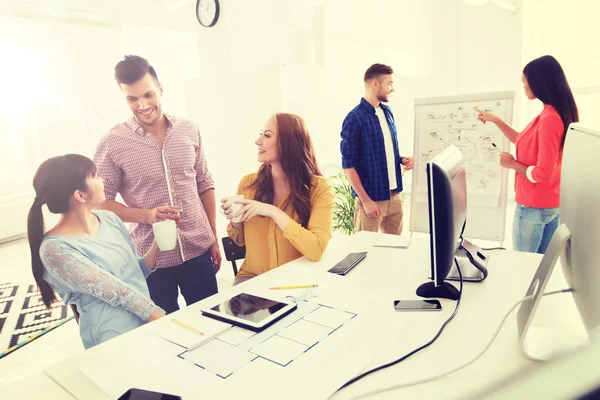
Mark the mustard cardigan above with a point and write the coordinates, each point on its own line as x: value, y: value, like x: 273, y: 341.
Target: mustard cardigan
x: 268, y: 247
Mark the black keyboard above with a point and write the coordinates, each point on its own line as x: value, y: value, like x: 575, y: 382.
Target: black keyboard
x: 349, y: 262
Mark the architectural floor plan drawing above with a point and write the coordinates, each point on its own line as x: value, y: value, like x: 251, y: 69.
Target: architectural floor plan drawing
x: 279, y: 345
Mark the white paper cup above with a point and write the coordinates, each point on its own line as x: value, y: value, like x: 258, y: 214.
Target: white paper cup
x: 235, y: 207
x: 165, y: 233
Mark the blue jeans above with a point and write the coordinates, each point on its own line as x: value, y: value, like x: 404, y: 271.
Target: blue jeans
x: 196, y: 278
x: 533, y: 228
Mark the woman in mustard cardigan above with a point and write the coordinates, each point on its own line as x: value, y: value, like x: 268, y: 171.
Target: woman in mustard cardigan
x: 288, y: 205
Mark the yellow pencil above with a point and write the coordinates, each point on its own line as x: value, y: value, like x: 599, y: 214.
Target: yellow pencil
x: 186, y: 326
x: 293, y: 287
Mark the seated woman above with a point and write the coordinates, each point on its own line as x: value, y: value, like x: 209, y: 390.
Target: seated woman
x: 88, y: 258
x: 288, y: 205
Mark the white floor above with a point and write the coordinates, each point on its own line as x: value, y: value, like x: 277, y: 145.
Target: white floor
x: 64, y: 341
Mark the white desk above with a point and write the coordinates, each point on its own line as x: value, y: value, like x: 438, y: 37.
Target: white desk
x: 387, y: 274
x: 22, y: 372
x: 36, y: 386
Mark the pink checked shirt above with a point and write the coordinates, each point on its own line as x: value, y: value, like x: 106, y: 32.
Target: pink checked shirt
x: 132, y: 163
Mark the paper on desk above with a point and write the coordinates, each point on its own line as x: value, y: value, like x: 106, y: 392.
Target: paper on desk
x: 137, y: 366
x: 147, y: 361
x: 317, y: 373
x: 279, y: 350
x: 219, y: 357
x: 169, y: 330
x: 329, y: 317
x: 236, y: 335
x: 305, y: 332
x: 395, y: 241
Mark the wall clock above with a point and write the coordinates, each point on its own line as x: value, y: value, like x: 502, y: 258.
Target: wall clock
x: 207, y: 12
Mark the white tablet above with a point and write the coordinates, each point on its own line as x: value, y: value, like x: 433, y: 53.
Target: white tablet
x: 249, y: 311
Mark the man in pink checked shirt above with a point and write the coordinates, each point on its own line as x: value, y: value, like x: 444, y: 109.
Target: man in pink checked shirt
x: 157, y: 163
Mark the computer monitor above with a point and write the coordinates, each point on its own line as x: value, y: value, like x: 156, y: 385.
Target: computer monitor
x: 579, y: 200
x: 447, y: 200
x: 576, y: 240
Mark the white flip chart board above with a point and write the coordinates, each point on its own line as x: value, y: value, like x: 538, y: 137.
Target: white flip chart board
x: 444, y: 121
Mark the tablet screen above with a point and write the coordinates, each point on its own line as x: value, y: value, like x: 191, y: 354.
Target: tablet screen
x: 249, y: 307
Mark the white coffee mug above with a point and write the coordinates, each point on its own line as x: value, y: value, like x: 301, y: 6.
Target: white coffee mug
x: 165, y: 233
x: 235, y: 207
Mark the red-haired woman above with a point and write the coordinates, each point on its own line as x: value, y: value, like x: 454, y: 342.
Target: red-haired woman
x: 288, y: 205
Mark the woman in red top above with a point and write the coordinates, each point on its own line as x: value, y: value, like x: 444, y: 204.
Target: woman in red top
x: 539, y: 153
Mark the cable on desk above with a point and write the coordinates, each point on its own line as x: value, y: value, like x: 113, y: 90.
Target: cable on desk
x: 437, y: 335
x: 469, y: 255
x: 493, y: 248
x: 477, y: 357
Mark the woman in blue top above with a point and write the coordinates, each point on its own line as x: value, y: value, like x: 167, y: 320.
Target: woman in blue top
x: 88, y: 258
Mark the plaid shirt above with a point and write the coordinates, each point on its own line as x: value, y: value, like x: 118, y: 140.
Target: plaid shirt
x: 134, y: 164
x: 363, y: 149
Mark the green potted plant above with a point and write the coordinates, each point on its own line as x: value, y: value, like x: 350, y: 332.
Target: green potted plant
x: 343, y: 212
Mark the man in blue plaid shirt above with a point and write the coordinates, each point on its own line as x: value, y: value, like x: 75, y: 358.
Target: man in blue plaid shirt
x: 370, y: 156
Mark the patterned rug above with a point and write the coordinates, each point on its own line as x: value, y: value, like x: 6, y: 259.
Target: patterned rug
x: 24, y: 318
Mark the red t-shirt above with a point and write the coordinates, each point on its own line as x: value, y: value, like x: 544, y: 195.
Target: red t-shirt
x: 538, y: 147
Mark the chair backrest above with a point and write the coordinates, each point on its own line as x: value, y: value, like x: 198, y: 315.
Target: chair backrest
x: 233, y: 252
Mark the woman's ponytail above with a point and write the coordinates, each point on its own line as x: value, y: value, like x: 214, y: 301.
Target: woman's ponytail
x: 35, y: 233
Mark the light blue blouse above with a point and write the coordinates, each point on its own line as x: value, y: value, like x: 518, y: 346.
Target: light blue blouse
x: 103, y: 276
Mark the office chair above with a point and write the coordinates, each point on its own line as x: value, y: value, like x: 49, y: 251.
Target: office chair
x: 233, y: 252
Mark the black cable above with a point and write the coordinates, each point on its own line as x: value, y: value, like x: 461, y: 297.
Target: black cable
x: 493, y: 248
x: 431, y: 378
x: 482, y: 269
x: 469, y: 255
x: 437, y: 335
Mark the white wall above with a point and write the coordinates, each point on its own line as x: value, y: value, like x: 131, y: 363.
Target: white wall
x: 568, y: 30
x: 256, y: 63
x: 59, y: 95
x: 262, y: 57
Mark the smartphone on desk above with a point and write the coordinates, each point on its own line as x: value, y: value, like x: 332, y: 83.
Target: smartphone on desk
x: 141, y: 394
x: 417, y: 305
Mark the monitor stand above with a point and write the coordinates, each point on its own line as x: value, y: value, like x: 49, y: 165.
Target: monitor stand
x: 540, y: 343
x: 544, y: 343
x: 444, y: 291
x: 472, y: 261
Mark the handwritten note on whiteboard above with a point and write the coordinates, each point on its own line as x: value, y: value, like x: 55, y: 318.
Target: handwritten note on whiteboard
x: 442, y: 125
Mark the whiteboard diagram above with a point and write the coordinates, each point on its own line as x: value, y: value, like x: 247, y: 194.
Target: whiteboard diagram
x: 480, y: 145
x: 444, y: 121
